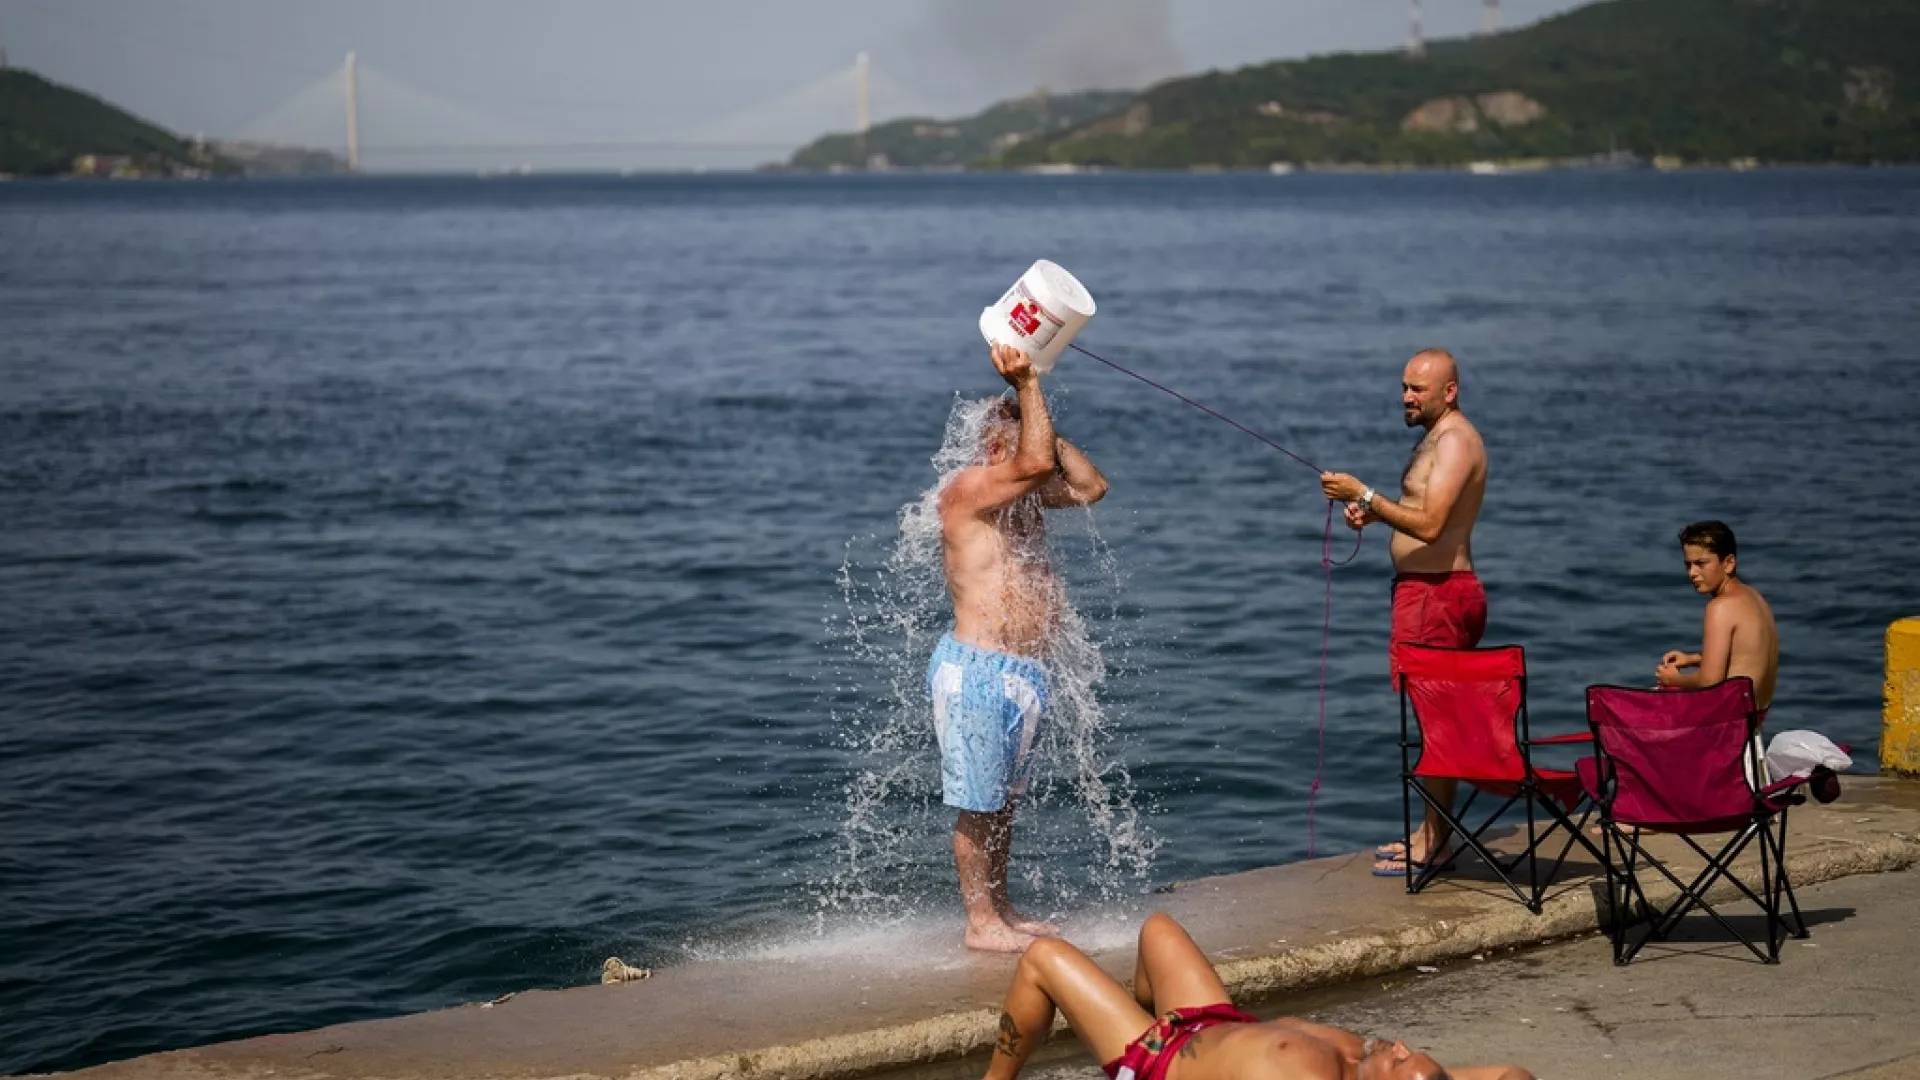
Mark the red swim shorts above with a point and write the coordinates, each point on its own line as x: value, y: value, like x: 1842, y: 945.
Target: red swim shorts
x: 1150, y: 1056
x: 1447, y: 609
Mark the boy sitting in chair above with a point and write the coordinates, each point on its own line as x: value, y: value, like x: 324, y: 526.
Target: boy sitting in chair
x: 1739, y: 637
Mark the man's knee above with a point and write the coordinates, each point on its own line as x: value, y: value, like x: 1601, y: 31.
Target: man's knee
x: 982, y: 823
x: 1047, y: 954
x: 1159, y: 926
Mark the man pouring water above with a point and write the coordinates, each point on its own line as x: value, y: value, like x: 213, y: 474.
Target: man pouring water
x: 988, y: 676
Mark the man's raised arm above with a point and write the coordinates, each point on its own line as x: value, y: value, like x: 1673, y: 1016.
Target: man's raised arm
x: 985, y: 488
x: 1078, y: 482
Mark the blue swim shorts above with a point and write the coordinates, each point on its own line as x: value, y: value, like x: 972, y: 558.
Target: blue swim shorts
x: 987, y: 708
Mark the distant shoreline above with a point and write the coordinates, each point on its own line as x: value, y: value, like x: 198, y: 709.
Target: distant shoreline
x: 1492, y: 168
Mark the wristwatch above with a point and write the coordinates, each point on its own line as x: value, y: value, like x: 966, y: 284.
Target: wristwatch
x: 1366, y: 499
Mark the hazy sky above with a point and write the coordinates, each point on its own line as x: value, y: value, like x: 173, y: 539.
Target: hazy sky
x: 645, y: 83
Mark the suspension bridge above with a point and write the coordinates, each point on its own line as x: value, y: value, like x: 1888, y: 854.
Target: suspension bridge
x: 375, y: 121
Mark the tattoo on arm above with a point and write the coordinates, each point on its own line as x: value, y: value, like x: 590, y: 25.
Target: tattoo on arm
x: 1010, y: 1039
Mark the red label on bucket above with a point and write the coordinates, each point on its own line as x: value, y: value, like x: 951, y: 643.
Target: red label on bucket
x: 1024, y: 318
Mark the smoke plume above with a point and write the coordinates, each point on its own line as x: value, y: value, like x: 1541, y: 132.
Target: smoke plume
x: 1019, y: 45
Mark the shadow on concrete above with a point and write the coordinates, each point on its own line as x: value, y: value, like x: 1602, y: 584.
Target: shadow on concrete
x: 1697, y: 935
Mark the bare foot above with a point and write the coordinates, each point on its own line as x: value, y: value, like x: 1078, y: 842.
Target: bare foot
x: 997, y: 937
x: 1030, y: 926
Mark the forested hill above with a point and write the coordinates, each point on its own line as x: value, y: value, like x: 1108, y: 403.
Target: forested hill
x: 921, y: 142
x: 49, y: 129
x: 1696, y: 80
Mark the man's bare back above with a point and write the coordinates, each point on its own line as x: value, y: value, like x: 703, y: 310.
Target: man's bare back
x: 1755, y: 650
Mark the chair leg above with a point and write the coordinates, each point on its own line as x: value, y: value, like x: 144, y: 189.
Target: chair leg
x: 1469, y: 840
x: 1717, y: 866
x: 1616, y: 918
x: 1786, y: 885
x: 1771, y: 904
x: 1406, y: 823
x: 1633, y: 894
x: 1533, y: 862
x: 1694, y: 895
x: 1574, y: 835
x: 1622, y: 891
x: 1634, y: 897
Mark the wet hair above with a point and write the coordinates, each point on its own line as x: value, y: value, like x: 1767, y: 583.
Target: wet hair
x: 1002, y: 415
x: 1715, y: 536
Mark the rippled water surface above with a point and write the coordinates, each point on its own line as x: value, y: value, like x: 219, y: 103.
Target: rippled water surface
x: 417, y: 590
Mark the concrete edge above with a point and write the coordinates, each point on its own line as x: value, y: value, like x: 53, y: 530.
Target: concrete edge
x: 957, y: 1034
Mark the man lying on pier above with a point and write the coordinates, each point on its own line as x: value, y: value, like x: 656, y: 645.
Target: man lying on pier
x: 1198, y: 1035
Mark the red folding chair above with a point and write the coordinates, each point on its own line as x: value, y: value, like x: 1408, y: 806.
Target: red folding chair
x: 1463, y: 712
x: 1678, y: 762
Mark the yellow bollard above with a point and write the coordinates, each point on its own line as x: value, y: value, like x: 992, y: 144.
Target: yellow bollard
x: 1900, y: 723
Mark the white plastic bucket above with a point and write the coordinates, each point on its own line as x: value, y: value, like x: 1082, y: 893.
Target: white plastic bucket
x: 1040, y: 314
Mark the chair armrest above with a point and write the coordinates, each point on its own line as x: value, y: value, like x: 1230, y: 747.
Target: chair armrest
x: 1779, y: 786
x: 1780, y: 794
x: 1562, y: 740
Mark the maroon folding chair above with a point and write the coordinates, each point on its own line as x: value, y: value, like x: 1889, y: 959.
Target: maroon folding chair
x: 1678, y: 762
x: 1463, y: 713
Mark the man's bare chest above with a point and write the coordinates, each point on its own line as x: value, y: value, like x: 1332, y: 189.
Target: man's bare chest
x: 1413, y: 478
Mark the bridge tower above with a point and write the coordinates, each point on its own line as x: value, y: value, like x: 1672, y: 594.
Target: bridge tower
x: 353, y: 113
x: 862, y: 106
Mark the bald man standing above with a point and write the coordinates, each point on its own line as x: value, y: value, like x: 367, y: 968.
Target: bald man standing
x: 1437, y: 598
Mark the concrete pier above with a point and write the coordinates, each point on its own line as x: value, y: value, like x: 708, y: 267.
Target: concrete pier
x: 1274, y: 933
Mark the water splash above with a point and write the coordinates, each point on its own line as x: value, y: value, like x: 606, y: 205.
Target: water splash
x: 1080, y: 837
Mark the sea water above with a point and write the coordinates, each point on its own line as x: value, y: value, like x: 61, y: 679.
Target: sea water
x: 420, y: 589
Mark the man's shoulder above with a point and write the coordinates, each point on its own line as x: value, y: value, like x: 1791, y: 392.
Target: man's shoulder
x: 1464, y: 430
x: 1754, y: 602
x: 962, y: 501
x: 960, y: 485
x: 1746, y: 605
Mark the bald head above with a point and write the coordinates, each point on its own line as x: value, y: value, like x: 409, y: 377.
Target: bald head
x: 1381, y: 1059
x: 1439, y: 363
x: 1430, y: 387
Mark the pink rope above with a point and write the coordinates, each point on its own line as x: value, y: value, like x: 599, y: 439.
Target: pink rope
x: 1326, y: 565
